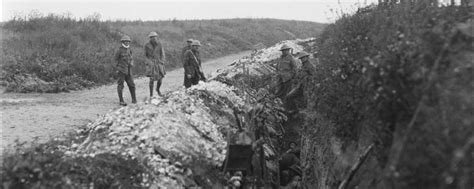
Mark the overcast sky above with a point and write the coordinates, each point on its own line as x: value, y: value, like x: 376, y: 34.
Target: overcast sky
x: 316, y: 10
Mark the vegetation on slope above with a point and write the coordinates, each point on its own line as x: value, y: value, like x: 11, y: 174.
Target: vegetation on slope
x: 58, y: 53
x: 398, y: 76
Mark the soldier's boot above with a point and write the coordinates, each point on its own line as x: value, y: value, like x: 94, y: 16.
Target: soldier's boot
x: 120, y: 95
x: 132, y: 93
x: 150, y: 85
x: 158, y: 85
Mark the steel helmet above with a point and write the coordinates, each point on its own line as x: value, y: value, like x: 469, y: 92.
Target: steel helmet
x: 190, y: 40
x: 153, y: 34
x: 125, y: 38
x: 196, y: 43
x: 302, y: 54
x: 284, y: 47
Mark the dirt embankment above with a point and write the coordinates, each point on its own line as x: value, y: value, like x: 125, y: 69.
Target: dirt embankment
x: 390, y: 104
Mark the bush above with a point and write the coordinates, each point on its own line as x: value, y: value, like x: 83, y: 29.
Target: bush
x: 398, y: 76
x: 56, y: 48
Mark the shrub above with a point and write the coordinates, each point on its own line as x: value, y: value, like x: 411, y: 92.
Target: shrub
x: 396, y: 75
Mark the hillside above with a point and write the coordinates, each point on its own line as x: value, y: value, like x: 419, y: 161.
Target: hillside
x: 394, y: 87
x: 57, y: 53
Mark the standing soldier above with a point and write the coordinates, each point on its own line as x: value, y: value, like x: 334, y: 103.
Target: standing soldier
x: 307, y: 67
x: 155, y: 62
x: 192, y: 65
x: 303, y: 79
x: 286, y: 69
x: 187, y: 47
x: 124, y: 60
x: 189, y: 43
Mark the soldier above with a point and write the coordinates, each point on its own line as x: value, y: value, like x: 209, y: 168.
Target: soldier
x: 187, y: 47
x: 307, y: 67
x: 155, y: 62
x: 303, y: 78
x: 286, y: 69
x: 124, y: 60
x: 192, y: 65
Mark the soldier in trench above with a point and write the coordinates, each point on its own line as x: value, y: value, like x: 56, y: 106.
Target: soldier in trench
x: 155, y: 62
x: 302, y: 79
x: 289, y: 165
x: 123, y: 58
x: 286, y: 71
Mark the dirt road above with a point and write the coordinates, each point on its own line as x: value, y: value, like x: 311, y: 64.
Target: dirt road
x: 26, y: 116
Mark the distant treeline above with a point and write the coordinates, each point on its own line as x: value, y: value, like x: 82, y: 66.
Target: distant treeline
x: 56, y: 53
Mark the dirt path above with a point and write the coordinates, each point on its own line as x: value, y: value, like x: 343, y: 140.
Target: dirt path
x: 26, y: 116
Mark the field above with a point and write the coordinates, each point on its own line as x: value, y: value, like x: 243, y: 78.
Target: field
x: 56, y: 53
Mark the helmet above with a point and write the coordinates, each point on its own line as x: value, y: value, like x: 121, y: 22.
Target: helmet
x: 196, y: 43
x: 153, y: 34
x: 284, y: 47
x: 125, y: 38
x: 302, y: 54
x: 190, y: 40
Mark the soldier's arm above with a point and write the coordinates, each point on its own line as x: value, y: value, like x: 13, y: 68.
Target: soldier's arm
x: 147, y: 51
x: 163, y: 54
x: 131, y: 57
x: 293, y: 65
x: 116, y: 58
x: 117, y: 55
x: 148, y: 59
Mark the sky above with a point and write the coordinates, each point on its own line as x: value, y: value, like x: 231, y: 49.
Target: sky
x: 323, y: 11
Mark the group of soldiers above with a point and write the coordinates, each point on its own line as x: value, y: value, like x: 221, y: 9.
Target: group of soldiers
x: 291, y: 80
x: 155, y: 65
x: 193, y: 73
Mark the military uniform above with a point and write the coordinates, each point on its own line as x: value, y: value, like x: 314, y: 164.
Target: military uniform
x: 186, y: 48
x: 155, y: 61
x: 192, y: 66
x: 286, y: 69
x: 307, y: 70
x: 124, y: 60
x: 303, y: 78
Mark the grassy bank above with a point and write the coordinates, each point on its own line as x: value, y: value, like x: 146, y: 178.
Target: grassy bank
x: 58, y: 53
x: 398, y: 76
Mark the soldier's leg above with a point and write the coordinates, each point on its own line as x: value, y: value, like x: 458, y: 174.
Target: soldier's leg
x: 150, y: 86
x: 158, y: 85
x: 131, y: 87
x: 121, y: 78
x: 187, y: 82
x: 195, y: 80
